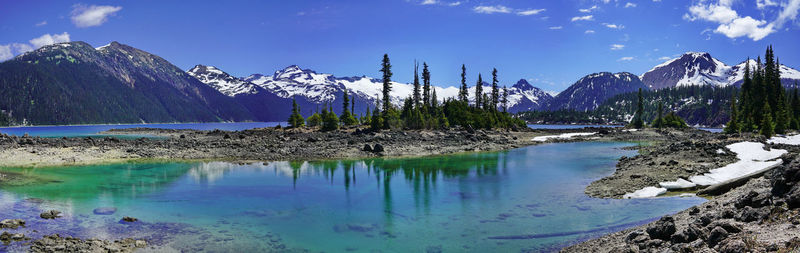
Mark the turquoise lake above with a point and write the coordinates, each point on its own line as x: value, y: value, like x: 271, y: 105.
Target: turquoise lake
x: 528, y: 199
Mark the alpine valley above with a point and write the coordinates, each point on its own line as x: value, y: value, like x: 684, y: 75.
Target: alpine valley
x: 75, y: 83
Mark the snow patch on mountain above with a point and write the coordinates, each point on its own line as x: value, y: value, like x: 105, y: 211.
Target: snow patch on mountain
x: 223, y: 82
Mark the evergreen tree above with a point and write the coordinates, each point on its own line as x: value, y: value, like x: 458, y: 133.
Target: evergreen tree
x: 295, y: 119
x: 495, y: 90
x: 733, y: 125
x: 505, y: 99
x: 347, y: 117
x: 426, y: 85
x: 330, y: 121
x: 376, y: 122
x: 479, y: 92
x: 767, y: 128
x: 416, y: 93
x: 314, y: 120
x: 638, y: 121
x: 386, y: 70
x: 434, y: 99
x: 659, y: 122
x: 462, y: 93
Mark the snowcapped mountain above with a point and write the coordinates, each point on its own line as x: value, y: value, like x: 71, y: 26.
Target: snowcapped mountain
x: 592, y: 90
x: 522, y: 96
x: 223, y: 82
x: 697, y: 68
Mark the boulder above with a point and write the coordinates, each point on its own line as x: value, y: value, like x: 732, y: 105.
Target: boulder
x: 636, y: 237
x: 691, y: 233
x: 129, y: 219
x: 377, y: 148
x: 12, y: 223
x: 717, y: 235
x: 367, y: 148
x: 752, y: 199
x: 749, y: 214
x: 52, y: 214
x: 732, y: 246
x: 662, y: 229
x: 728, y: 226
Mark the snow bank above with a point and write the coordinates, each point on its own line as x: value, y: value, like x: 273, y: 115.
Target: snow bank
x: 788, y: 140
x: 562, y: 136
x: 753, y: 159
x: 678, y: 184
x: 647, y: 192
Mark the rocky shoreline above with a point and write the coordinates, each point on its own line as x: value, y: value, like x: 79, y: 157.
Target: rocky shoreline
x: 760, y: 216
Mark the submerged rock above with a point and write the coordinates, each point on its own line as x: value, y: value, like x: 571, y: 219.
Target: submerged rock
x: 129, y: 219
x: 105, y: 210
x: 52, y: 214
x: 12, y: 223
x: 56, y: 243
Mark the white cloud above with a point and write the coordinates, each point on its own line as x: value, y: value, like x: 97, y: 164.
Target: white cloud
x: 589, y: 31
x: 530, y: 12
x: 427, y: 2
x: 22, y: 47
x: 41, y: 23
x: 454, y: 4
x: 35, y: 43
x: 94, y: 15
x: 555, y: 27
x: 665, y: 58
x: 630, y: 5
x: 732, y: 25
x: 617, y: 47
x: 789, y: 12
x: 48, y: 39
x: 580, y: 18
x: 746, y: 26
x: 761, y: 4
x: 613, y: 26
x: 627, y: 58
x: 590, y: 9
x: 5, y: 52
x: 492, y: 9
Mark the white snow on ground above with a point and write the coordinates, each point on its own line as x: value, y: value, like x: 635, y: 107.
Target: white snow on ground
x: 561, y: 136
x: 647, y: 192
x: 678, y: 184
x: 788, y: 140
x: 752, y: 159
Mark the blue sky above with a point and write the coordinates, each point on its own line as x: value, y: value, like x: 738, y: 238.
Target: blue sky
x: 550, y: 43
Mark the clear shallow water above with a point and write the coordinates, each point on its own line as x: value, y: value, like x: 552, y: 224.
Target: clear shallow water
x: 527, y: 199
x: 92, y: 130
x: 538, y: 126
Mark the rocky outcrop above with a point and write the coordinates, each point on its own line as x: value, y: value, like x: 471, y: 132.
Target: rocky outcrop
x: 48, y: 215
x: 57, y: 243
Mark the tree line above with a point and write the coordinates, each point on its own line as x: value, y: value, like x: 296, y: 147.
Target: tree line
x: 422, y: 110
x: 763, y: 105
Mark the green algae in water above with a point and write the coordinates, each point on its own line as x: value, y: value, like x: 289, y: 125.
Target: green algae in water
x: 524, y: 199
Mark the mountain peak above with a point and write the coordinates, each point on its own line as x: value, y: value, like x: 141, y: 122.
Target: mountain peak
x: 522, y: 84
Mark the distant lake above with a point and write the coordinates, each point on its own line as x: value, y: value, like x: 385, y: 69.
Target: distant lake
x: 92, y: 130
x: 539, y: 126
x: 528, y: 199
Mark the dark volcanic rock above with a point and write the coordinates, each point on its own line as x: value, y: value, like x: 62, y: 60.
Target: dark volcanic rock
x: 662, y: 229
x: 52, y: 214
x: 129, y: 219
x: 377, y: 148
x: 56, y: 243
x: 732, y: 246
x: 717, y: 235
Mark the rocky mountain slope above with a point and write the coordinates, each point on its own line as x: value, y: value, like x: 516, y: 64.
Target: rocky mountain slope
x: 592, y: 90
x: 74, y: 83
x: 697, y: 68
